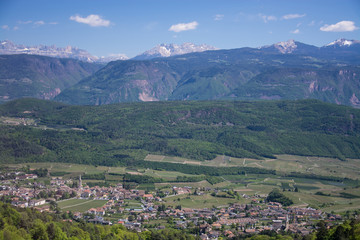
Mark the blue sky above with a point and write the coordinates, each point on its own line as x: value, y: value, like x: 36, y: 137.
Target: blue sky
x: 105, y: 27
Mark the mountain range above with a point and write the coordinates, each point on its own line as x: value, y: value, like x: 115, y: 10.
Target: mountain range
x: 285, y: 70
x: 163, y: 50
x: 8, y: 47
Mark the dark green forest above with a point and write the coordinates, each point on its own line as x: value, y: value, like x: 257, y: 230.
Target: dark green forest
x: 122, y: 134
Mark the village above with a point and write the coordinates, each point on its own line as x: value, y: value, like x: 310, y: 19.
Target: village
x: 22, y: 190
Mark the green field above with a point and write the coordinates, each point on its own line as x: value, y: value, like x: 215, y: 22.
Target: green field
x: 80, y: 205
x: 168, y: 175
x: 204, y: 201
x: 283, y: 164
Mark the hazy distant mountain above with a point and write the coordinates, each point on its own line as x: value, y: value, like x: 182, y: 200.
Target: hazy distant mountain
x: 168, y: 50
x: 286, y: 70
x: 23, y: 75
x: 8, y: 47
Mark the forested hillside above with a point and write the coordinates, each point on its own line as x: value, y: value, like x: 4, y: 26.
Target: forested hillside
x: 36, y: 130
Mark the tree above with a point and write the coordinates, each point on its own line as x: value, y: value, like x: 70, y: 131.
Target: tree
x: 51, y: 230
x: 39, y: 231
x: 322, y: 233
x: 53, y: 205
x: 131, y: 218
x: 276, y: 196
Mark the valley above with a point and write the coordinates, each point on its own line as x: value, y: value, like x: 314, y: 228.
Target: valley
x: 170, y: 164
x: 179, y: 120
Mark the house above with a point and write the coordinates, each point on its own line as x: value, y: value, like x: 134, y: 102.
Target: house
x: 96, y: 211
x: 37, y: 202
x: 277, y: 225
x: 148, y: 197
x: 216, y: 225
x: 43, y: 208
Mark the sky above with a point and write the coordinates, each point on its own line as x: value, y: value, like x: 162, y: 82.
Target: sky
x: 105, y: 27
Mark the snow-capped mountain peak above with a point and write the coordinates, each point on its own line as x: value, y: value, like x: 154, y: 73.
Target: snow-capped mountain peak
x: 342, y: 42
x: 283, y: 47
x: 167, y: 50
x: 286, y: 47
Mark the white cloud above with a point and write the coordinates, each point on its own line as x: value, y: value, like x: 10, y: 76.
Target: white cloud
x: 218, y: 17
x: 5, y: 27
x: 53, y: 23
x: 184, y: 26
x: 312, y: 23
x: 16, y: 28
x: 38, y: 23
x: 296, y: 31
x: 266, y: 18
x: 343, y: 26
x: 293, y: 16
x: 92, y: 20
